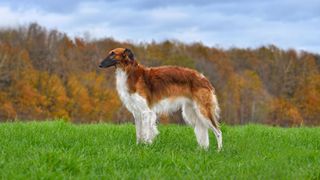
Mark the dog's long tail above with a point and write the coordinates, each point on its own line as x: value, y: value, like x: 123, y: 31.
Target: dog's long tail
x: 215, y: 111
x: 215, y: 121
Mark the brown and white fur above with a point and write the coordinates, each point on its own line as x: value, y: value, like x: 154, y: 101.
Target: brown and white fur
x: 147, y: 92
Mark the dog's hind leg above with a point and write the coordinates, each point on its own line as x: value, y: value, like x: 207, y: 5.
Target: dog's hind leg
x: 188, y: 114
x: 206, y: 119
x: 201, y: 130
x: 202, y: 135
x: 217, y: 132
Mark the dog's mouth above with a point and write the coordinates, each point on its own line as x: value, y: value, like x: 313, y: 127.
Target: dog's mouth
x: 108, y: 63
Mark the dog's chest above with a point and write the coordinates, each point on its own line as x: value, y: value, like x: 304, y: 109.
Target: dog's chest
x: 122, y: 87
x: 134, y: 102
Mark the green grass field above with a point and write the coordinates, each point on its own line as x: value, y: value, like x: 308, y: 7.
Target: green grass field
x: 58, y: 150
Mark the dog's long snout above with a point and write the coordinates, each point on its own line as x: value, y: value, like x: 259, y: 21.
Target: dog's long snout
x: 108, y: 62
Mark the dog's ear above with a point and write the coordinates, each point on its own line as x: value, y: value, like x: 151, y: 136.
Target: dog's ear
x: 127, y: 52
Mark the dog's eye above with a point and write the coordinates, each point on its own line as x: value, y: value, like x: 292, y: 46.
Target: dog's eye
x: 112, y: 54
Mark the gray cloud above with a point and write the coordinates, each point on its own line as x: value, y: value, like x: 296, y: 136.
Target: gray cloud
x: 248, y: 23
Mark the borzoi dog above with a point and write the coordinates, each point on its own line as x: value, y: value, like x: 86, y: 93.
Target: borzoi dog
x: 147, y: 92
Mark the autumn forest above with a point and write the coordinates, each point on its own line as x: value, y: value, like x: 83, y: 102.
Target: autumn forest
x: 44, y: 74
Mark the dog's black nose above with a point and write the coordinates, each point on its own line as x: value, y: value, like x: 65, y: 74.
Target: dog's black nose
x: 100, y: 66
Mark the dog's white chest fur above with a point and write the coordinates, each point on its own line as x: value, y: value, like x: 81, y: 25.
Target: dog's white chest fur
x: 133, y: 102
x: 121, y: 83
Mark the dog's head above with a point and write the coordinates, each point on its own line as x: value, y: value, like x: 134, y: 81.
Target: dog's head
x: 116, y: 56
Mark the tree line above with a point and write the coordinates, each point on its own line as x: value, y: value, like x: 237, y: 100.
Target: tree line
x: 44, y: 74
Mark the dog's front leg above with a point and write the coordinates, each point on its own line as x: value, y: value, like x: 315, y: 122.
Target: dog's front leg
x: 145, y: 128
x: 138, y: 122
x: 153, y: 125
x: 148, y: 127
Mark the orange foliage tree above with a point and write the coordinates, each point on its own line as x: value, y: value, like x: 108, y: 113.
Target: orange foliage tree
x: 284, y: 113
x: 44, y: 74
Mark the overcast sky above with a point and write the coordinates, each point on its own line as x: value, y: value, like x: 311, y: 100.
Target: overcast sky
x: 223, y: 23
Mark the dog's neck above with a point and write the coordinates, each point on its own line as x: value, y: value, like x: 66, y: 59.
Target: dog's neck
x: 128, y: 76
x: 131, y: 69
x: 121, y: 84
